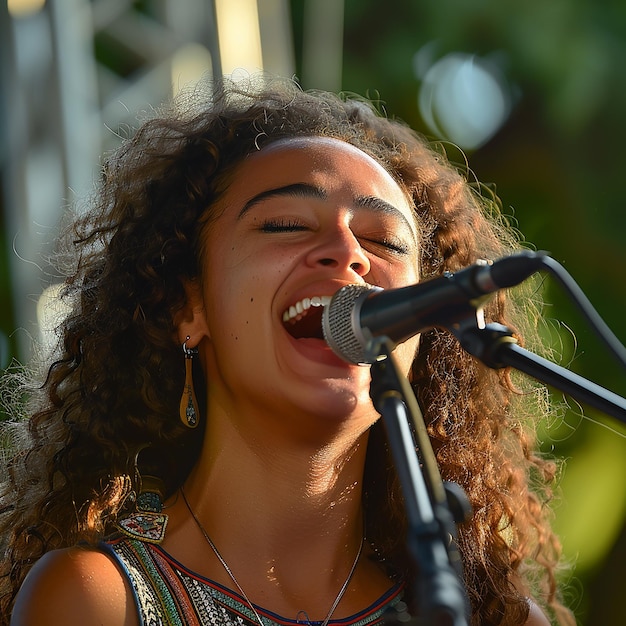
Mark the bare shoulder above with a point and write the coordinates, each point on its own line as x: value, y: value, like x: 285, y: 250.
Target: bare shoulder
x: 73, y: 587
x: 536, y: 616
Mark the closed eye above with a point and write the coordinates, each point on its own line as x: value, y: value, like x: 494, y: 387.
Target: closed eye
x: 391, y: 244
x: 282, y: 226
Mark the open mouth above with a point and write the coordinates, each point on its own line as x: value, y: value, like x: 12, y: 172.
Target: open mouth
x: 303, y: 320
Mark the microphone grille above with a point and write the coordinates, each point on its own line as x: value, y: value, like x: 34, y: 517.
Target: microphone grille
x: 341, y: 327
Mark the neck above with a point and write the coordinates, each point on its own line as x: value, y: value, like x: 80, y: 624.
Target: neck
x: 333, y: 607
x: 296, y: 509
x: 288, y: 489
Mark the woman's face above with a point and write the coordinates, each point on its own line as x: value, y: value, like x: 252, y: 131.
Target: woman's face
x: 300, y: 219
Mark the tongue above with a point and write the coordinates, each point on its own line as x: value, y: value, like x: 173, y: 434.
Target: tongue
x: 309, y: 326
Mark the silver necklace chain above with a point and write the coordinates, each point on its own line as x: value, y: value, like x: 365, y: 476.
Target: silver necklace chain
x: 229, y: 571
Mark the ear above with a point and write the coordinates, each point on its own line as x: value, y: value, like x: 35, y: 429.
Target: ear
x: 190, y: 320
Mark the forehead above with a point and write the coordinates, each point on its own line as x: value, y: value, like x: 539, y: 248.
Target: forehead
x: 335, y: 163
x: 313, y: 144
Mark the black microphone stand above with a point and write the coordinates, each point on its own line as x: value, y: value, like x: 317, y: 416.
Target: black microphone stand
x: 429, y: 504
x: 433, y: 507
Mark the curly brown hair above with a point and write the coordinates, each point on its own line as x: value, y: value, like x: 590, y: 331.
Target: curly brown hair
x: 113, y: 388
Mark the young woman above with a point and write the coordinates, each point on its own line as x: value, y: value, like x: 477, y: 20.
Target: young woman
x: 197, y: 453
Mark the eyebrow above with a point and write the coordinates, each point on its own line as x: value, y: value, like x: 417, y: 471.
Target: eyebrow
x: 381, y: 206
x: 306, y: 190
x: 296, y: 190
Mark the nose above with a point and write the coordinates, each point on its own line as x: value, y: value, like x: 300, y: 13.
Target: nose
x: 341, y: 250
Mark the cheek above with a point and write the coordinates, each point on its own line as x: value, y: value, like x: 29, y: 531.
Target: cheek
x: 411, y: 271
x: 396, y: 275
x: 234, y: 329
x: 405, y: 354
x: 414, y: 275
x: 236, y: 297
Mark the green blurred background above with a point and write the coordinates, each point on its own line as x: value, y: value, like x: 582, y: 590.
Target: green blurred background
x: 533, y: 93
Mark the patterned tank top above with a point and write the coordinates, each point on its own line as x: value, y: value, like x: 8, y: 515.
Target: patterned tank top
x: 168, y: 594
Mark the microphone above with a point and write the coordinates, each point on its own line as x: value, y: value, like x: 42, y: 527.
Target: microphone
x: 358, y: 313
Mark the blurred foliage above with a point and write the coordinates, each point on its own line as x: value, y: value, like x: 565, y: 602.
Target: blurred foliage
x: 557, y: 163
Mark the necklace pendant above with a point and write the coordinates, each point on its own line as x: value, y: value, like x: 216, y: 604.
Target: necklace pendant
x: 145, y: 526
x: 148, y: 522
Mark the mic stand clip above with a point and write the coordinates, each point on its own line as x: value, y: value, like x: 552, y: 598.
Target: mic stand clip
x: 495, y: 346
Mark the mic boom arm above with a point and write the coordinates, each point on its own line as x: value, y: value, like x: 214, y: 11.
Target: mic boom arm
x: 496, y: 347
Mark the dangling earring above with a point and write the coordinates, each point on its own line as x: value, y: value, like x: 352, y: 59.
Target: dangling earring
x: 189, y: 412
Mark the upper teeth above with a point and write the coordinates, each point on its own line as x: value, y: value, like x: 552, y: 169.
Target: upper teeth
x: 299, y: 307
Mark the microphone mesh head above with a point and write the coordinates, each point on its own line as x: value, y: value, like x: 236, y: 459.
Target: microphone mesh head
x: 341, y: 324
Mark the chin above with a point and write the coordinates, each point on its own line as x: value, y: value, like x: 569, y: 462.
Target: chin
x: 340, y: 402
